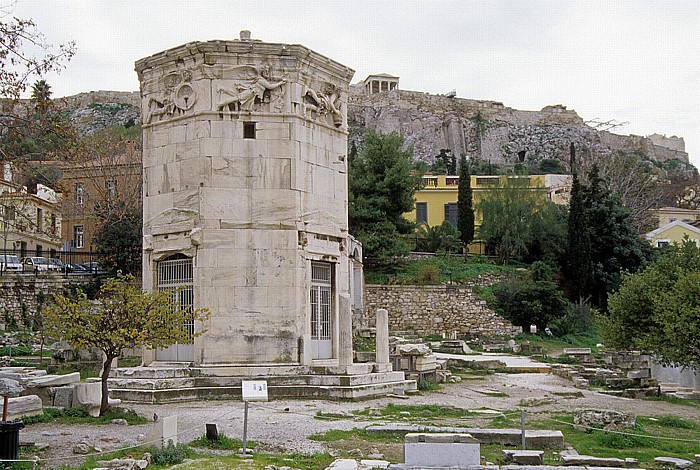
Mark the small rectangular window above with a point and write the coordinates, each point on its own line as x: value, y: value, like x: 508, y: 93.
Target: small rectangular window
x: 249, y: 130
x: 111, y: 188
x: 78, y: 236
x: 79, y: 193
x: 421, y: 212
x: 39, y: 220
x: 451, y: 213
x: 10, y: 212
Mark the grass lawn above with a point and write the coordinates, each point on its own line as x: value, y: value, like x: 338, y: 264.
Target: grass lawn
x: 436, y: 270
x: 653, y: 436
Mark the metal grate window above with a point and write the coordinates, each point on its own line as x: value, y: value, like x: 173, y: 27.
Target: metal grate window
x: 321, y: 301
x: 174, y: 274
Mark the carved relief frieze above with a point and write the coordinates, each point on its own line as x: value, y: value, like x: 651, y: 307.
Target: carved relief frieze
x: 177, y: 96
x: 323, y: 104
x: 246, y: 88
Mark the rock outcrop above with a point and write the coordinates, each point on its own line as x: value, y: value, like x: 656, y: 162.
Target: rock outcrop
x: 491, y: 131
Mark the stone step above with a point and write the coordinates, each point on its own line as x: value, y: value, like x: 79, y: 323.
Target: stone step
x: 315, y: 380
x: 289, y: 391
x: 587, y: 460
x: 140, y: 383
x: 150, y: 372
x: 150, y: 383
x: 534, y: 439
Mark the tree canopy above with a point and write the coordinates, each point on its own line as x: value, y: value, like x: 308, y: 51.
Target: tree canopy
x: 517, y: 221
x: 118, y: 241
x: 381, y: 187
x: 600, y: 233
x: 25, y: 56
x: 19, y: 63
x: 123, y: 316
x: 658, y: 309
x: 534, y: 301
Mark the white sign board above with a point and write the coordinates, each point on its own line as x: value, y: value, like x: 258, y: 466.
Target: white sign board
x: 254, y: 390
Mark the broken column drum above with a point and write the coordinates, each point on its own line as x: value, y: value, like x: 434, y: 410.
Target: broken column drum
x: 245, y: 198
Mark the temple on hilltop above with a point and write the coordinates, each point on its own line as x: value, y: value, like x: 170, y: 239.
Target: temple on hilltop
x: 245, y: 213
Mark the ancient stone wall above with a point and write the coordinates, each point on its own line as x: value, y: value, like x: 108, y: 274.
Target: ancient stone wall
x: 20, y: 297
x: 426, y: 310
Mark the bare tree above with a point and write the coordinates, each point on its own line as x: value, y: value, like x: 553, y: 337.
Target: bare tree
x: 633, y: 181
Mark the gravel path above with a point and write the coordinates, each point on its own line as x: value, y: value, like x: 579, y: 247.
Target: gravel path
x: 284, y: 425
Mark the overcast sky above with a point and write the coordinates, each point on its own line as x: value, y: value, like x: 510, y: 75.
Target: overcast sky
x: 635, y: 61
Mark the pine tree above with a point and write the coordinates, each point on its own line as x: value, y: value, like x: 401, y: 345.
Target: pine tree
x: 465, y: 208
x: 381, y: 187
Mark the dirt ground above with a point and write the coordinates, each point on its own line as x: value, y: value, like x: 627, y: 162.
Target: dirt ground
x: 284, y: 425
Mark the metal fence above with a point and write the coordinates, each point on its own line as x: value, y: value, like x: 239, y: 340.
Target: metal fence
x: 59, y: 262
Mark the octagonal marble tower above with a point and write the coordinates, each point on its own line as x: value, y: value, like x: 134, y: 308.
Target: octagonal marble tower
x: 245, y: 200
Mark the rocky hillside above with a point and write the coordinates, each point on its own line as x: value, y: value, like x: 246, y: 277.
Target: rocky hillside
x: 96, y: 110
x: 487, y: 130
x: 491, y: 131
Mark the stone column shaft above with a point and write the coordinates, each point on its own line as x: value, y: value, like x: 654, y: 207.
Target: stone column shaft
x: 345, y: 331
x: 382, y: 336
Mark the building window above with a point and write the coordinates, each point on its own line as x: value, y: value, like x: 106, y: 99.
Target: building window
x: 321, y: 294
x: 176, y: 274
x: 22, y: 249
x: 111, y: 188
x: 79, y: 193
x: 451, y: 213
x: 78, y: 236
x: 39, y: 250
x: 9, y: 212
x: 421, y: 212
x: 249, y: 130
x: 39, y: 220
x: 53, y: 224
x: 8, y: 216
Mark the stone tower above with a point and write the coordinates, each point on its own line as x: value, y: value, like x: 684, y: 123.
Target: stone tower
x: 245, y: 200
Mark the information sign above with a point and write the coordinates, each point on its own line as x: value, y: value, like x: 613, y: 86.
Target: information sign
x: 254, y: 390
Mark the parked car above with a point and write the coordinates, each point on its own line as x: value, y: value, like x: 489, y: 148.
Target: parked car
x: 57, y: 265
x: 76, y: 268
x: 37, y: 264
x: 10, y: 263
x: 94, y: 267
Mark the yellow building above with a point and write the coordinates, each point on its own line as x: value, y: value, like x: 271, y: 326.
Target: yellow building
x: 666, y: 215
x: 436, y: 201
x: 673, y: 232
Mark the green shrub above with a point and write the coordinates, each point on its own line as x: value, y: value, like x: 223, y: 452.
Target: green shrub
x: 578, y: 319
x: 19, y: 350
x: 534, y: 300
x: 170, y: 454
x: 427, y: 385
x: 222, y: 442
x: 676, y: 422
x: 429, y: 274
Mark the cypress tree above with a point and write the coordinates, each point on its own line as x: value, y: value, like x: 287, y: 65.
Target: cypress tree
x: 465, y: 209
x: 578, y: 256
